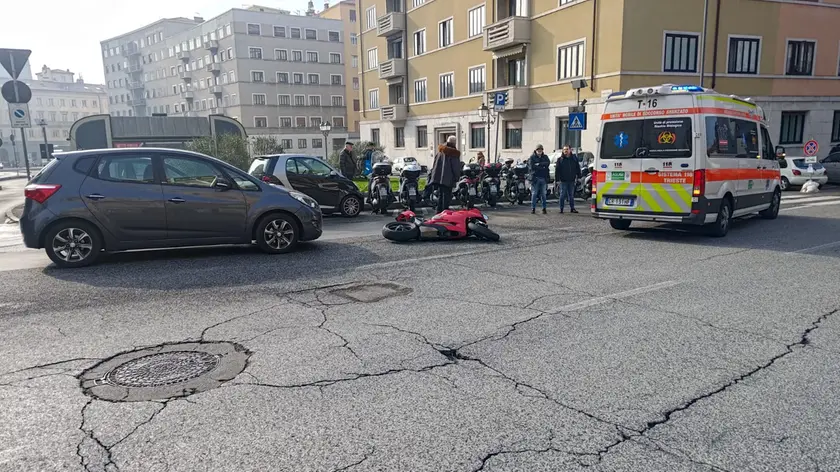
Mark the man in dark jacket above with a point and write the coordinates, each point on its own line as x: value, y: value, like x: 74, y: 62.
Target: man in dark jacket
x: 346, y: 162
x: 538, y: 166
x: 567, y: 171
x: 445, y: 172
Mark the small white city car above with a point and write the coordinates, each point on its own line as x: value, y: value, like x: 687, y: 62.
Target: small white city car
x: 795, y: 172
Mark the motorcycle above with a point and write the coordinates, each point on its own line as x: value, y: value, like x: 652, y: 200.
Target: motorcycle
x: 466, y: 190
x: 446, y: 225
x: 409, y: 190
x: 583, y: 185
x: 380, y: 194
x: 516, y: 187
x: 490, y: 184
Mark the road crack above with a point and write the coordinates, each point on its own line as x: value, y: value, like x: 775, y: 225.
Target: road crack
x: 365, y: 457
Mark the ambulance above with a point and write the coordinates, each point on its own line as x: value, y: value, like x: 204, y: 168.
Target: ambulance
x: 684, y: 154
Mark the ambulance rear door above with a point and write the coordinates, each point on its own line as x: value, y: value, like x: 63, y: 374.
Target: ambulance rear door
x: 668, y: 163
x: 619, y: 172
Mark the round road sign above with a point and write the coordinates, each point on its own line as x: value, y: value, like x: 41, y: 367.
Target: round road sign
x: 15, y: 91
x: 811, y: 148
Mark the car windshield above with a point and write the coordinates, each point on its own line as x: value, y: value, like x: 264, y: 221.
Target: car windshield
x: 802, y: 165
x: 654, y: 137
x: 409, y: 159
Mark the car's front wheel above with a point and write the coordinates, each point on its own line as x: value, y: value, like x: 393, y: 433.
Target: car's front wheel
x: 351, y: 206
x: 277, y: 234
x: 73, y: 244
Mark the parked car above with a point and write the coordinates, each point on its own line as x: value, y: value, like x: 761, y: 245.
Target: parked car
x: 312, y: 176
x: 85, y: 202
x: 399, y: 163
x: 832, y: 167
x: 794, y: 172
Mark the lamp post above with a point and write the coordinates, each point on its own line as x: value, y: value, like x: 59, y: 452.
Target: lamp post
x: 43, y: 124
x: 326, y: 127
x: 489, y: 115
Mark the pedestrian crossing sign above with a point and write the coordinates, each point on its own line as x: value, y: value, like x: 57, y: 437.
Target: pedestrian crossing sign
x: 577, y: 121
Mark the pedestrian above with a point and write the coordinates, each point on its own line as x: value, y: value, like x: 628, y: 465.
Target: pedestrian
x: 538, y: 167
x: 368, y: 158
x: 567, y: 171
x: 445, y: 172
x: 346, y: 162
x: 480, y: 159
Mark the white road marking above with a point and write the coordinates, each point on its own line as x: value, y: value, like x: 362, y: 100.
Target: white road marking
x: 616, y: 296
x: 809, y: 198
x: 815, y: 248
x: 811, y: 205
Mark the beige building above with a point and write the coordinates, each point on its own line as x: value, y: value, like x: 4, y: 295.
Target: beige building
x: 345, y: 10
x: 428, y: 65
x: 58, y: 99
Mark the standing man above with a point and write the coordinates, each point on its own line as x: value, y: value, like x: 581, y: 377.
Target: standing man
x: 346, y: 162
x: 538, y: 165
x: 368, y: 159
x: 445, y: 171
x: 567, y: 171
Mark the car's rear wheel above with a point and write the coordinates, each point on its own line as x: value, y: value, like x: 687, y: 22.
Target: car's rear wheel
x: 720, y: 227
x: 622, y: 225
x: 351, y: 206
x: 277, y: 234
x: 73, y: 244
x: 785, y: 183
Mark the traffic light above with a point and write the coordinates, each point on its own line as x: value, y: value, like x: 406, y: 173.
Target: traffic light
x: 46, y: 150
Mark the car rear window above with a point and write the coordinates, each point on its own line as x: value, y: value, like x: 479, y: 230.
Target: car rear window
x: 410, y: 159
x: 258, y: 167
x: 83, y: 165
x: 802, y: 165
x: 668, y: 138
x: 45, y: 172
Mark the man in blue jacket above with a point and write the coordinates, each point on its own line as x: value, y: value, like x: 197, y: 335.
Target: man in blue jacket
x: 538, y: 166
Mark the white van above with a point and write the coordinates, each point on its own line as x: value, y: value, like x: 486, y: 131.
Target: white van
x: 684, y: 154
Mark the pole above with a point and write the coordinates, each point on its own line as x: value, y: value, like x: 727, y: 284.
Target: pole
x: 25, y: 154
x: 703, y: 40
x: 14, y: 151
x: 326, y: 148
x: 46, y: 145
x: 487, y: 137
x: 498, y: 119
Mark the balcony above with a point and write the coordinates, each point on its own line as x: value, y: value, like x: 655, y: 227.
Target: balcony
x: 393, y: 112
x: 135, y: 85
x: 518, y: 98
x: 130, y: 49
x: 186, y: 76
x: 134, y: 68
x: 137, y: 102
x: 184, y: 56
x: 512, y: 31
x: 215, y: 68
x: 211, y: 45
x: 188, y: 94
x: 392, y: 69
x: 391, y: 23
x: 216, y: 89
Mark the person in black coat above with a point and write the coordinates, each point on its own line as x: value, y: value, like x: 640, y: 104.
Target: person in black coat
x: 346, y: 162
x: 567, y: 171
x: 538, y: 165
x: 445, y: 172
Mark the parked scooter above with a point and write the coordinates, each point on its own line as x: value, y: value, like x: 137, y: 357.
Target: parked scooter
x: 516, y: 188
x: 583, y: 185
x: 380, y: 194
x: 466, y: 190
x: 491, y: 185
x: 409, y: 190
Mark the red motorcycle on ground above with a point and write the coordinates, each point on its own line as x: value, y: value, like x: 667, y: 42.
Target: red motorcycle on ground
x: 449, y: 224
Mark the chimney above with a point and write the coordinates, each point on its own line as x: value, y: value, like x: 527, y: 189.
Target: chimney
x: 310, y: 9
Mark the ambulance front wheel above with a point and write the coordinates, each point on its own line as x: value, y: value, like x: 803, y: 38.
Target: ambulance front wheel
x: 622, y: 225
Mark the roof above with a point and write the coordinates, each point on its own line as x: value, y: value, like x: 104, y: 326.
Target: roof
x: 179, y: 19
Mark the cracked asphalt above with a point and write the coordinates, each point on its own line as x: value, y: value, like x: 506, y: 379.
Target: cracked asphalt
x: 566, y: 347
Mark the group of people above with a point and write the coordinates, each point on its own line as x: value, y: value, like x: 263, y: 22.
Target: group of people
x: 446, y: 170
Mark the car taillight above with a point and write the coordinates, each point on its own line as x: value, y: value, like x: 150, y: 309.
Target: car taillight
x: 796, y: 172
x: 699, y: 183
x: 40, y: 192
x: 594, y: 181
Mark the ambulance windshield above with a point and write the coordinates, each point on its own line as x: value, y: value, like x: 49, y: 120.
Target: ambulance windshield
x: 661, y: 137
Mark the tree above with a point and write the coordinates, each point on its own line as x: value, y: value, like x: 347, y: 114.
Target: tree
x: 230, y: 148
x: 266, y: 145
x: 358, y: 151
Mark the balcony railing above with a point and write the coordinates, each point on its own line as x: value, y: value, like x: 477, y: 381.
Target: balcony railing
x: 188, y: 94
x: 391, y: 69
x: 135, y: 85
x: 134, y: 68
x: 130, y: 49
x: 186, y: 76
x: 183, y: 55
x: 214, y: 68
x: 211, y: 45
x: 216, y: 89
x: 390, y: 23
x: 393, y: 112
x: 511, y: 31
x: 137, y: 102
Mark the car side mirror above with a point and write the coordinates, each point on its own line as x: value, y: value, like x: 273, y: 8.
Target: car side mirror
x: 334, y: 173
x: 222, y: 184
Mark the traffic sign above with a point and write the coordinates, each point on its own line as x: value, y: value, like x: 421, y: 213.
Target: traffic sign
x: 811, y: 159
x: 13, y: 60
x: 15, y: 91
x: 811, y: 148
x: 19, y: 115
x: 500, y: 101
x: 577, y: 121
x: 46, y: 150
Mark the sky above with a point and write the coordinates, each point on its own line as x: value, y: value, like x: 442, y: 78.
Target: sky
x: 65, y: 34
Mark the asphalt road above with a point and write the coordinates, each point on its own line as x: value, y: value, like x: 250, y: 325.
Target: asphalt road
x: 565, y: 347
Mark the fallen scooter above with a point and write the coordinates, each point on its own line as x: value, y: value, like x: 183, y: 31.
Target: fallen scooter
x: 447, y: 225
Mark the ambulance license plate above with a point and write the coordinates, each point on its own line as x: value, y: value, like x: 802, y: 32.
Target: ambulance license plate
x: 625, y: 202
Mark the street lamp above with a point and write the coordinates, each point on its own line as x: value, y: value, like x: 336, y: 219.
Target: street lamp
x: 43, y: 124
x: 488, y: 115
x: 326, y: 127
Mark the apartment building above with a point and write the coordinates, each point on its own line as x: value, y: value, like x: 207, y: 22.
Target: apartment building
x: 279, y: 74
x: 429, y: 65
x: 345, y: 10
x: 58, y: 99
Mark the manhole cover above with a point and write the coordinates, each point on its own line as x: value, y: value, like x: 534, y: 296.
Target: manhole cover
x: 165, y: 371
x: 370, y: 293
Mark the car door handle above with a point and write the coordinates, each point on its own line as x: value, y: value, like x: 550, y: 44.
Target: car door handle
x: 95, y: 196
x: 177, y: 200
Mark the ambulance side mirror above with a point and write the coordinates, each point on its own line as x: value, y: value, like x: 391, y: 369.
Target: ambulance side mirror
x: 780, y: 152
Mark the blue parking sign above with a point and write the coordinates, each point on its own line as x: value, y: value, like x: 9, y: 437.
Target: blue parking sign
x: 500, y: 99
x: 577, y: 121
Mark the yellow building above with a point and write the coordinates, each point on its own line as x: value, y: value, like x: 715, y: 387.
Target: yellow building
x: 429, y: 65
x: 345, y: 10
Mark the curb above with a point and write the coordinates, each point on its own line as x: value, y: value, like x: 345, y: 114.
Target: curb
x: 10, y: 215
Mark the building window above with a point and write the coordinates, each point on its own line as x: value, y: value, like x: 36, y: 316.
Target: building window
x: 285, y: 122
x: 793, y: 127
x: 835, y: 127
x: 420, y: 91
x: 352, y: 16
x: 338, y: 122
x: 446, y: 35
x: 257, y: 76
x: 314, y: 79
x: 680, y: 53
x: 337, y: 101
x: 302, y: 143
x: 476, y: 21
x: 355, y: 62
x: 335, y: 58
x: 284, y: 100
x: 311, y: 56
x: 286, y: 144
x: 566, y: 137
x: 373, y: 98
x: 374, y: 135
x: 295, y: 33
x: 355, y: 83
x: 297, y: 56
x: 399, y: 137
x: 300, y: 122
x: 258, y: 98
x: 254, y: 29
x: 570, y: 61
x: 373, y: 58
x: 419, y: 42
x: 447, y: 85
x: 315, y: 121
x: 317, y: 143
x: 279, y: 31
x: 334, y: 36
x: 370, y: 18
x: 477, y: 80
x: 513, y: 135
x: 477, y: 136
x: 357, y: 105
x: 335, y: 79
x: 314, y: 100
x: 282, y: 77
x: 354, y: 39
x: 255, y: 53
x: 743, y: 55
x: 297, y: 77
x: 300, y: 100
x: 260, y: 122
x: 800, y: 57
x: 417, y: 3
x: 281, y: 54
x: 422, y: 137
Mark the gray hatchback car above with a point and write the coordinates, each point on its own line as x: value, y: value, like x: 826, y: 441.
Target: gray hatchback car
x: 87, y: 202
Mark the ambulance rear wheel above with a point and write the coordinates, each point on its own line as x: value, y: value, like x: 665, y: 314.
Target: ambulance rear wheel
x: 720, y: 227
x: 622, y: 225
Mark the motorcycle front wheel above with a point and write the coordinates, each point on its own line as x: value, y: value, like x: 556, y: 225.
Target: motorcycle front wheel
x: 400, y: 231
x: 482, y: 232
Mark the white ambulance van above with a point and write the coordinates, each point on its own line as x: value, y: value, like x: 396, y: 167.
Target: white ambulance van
x: 684, y: 154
